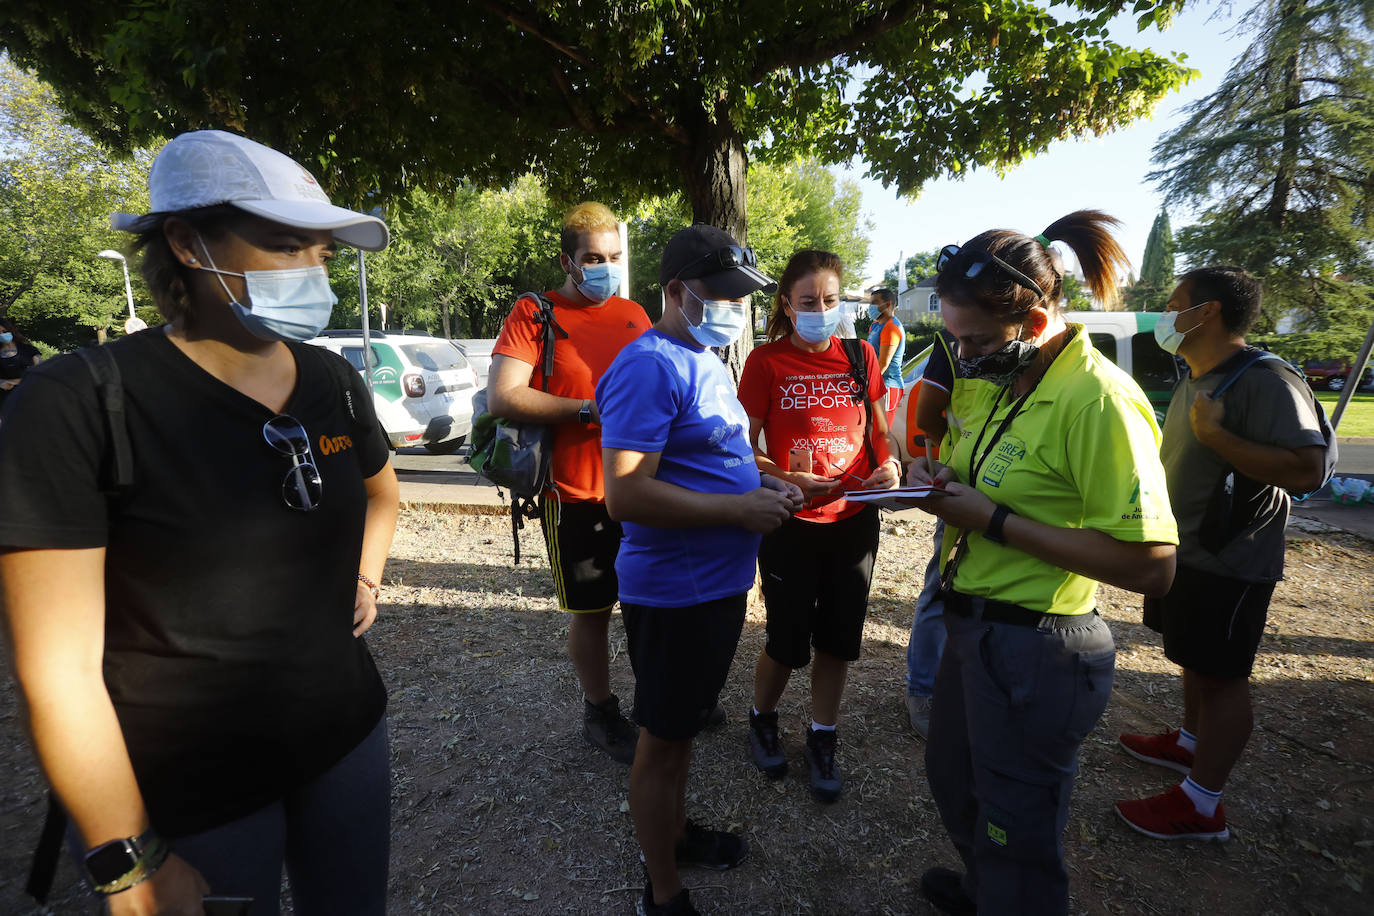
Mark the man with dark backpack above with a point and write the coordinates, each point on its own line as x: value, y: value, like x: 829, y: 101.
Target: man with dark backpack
x: 1231, y: 460
x: 593, y: 324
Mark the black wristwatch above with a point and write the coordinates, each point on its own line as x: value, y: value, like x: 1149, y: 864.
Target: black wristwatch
x: 110, y: 862
x: 584, y: 416
x: 994, y: 531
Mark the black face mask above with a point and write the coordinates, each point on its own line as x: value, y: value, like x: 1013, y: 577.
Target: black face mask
x: 1003, y: 365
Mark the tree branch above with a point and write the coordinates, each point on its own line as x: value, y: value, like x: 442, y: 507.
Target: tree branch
x: 783, y: 51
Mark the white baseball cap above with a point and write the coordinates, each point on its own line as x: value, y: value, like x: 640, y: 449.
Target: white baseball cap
x: 206, y: 168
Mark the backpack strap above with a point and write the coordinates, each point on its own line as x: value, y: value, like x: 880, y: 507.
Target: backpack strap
x: 854, y: 350
x: 109, y: 392
x: 1239, y: 370
x: 48, y: 851
x: 552, y: 331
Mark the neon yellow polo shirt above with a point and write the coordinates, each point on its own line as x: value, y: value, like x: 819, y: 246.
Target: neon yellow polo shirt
x: 1082, y: 453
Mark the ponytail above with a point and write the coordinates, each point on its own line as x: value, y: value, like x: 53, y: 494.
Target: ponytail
x: 1089, y: 234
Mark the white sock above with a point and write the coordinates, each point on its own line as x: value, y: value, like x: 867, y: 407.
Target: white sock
x: 1204, y: 800
x: 1187, y: 740
x: 818, y: 727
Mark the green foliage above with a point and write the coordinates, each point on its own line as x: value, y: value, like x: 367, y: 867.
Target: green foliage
x: 918, y: 267
x: 1281, y: 156
x: 1151, y: 292
x: 610, y: 99
x: 57, y: 191
x: 1077, y: 298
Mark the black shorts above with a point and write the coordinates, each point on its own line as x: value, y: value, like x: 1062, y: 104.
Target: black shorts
x: 681, y: 656
x: 815, y: 585
x: 1211, y: 624
x: 582, y: 540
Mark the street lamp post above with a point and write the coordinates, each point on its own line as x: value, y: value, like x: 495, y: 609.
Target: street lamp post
x: 134, y: 323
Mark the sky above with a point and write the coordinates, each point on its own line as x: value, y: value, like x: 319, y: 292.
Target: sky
x: 1104, y: 173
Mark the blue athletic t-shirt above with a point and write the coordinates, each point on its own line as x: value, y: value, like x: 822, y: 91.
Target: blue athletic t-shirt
x: 889, y: 331
x: 661, y: 395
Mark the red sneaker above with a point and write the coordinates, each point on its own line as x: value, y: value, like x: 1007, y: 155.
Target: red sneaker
x: 1171, y: 816
x: 1161, y: 750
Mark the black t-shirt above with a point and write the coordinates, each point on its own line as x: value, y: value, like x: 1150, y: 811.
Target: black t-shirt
x: 15, y: 365
x: 229, y: 651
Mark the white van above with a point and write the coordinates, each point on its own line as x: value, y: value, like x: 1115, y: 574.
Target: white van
x: 422, y: 386
x: 1127, y: 338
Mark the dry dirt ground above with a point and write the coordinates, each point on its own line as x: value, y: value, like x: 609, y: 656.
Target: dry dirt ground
x: 500, y: 807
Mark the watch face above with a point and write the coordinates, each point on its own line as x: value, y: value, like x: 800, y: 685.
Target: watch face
x: 110, y: 861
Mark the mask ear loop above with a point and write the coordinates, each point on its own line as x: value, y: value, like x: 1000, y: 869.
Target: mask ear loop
x: 216, y: 271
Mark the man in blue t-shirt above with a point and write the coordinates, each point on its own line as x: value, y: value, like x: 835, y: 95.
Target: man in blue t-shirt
x: 681, y: 479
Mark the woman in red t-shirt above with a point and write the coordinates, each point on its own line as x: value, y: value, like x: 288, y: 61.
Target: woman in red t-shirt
x: 801, y: 391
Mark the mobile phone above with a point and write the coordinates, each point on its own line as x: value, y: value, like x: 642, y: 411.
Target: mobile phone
x: 799, y: 459
x: 227, y: 906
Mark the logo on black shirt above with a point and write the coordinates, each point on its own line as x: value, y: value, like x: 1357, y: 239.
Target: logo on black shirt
x: 330, y: 445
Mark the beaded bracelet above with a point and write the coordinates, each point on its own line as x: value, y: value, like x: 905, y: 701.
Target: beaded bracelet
x: 372, y: 586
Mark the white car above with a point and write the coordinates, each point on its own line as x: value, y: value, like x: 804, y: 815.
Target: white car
x: 422, y: 386
x: 478, y: 352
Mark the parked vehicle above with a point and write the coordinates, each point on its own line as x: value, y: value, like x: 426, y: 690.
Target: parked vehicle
x: 1332, y: 373
x: 1127, y: 338
x: 422, y: 386
x: 478, y: 352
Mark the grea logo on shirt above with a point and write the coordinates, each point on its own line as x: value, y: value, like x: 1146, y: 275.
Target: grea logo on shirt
x: 332, y: 445
x: 1009, y: 450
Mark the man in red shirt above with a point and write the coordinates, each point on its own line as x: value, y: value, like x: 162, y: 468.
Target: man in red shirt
x: 581, y: 538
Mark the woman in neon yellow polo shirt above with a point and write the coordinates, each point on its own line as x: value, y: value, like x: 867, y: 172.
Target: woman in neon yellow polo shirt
x: 1055, y: 485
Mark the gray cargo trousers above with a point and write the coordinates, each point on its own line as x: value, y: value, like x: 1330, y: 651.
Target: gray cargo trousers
x: 1012, y: 705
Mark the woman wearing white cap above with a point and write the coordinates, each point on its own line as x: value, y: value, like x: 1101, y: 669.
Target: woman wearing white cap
x: 188, y: 634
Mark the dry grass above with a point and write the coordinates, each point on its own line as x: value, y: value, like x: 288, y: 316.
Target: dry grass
x: 499, y: 806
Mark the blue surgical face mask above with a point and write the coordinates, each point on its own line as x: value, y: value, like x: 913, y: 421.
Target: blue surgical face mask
x: 6, y: 337
x: 1169, y: 337
x: 292, y: 304
x: 722, y: 320
x: 599, y: 281
x: 874, y: 313
x: 816, y: 327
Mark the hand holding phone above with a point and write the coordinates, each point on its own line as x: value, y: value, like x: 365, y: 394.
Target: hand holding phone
x: 799, y: 459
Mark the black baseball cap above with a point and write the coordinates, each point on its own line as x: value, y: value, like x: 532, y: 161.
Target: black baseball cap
x: 703, y: 252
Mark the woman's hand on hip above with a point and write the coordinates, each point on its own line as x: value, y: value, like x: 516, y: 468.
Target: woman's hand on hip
x: 175, y: 889
x: 364, y: 609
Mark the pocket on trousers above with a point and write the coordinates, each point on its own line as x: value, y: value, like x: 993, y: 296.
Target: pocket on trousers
x: 1011, y: 659
x: 1092, y: 689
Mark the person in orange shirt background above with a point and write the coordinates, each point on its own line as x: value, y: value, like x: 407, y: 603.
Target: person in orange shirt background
x: 888, y: 338
x: 581, y: 538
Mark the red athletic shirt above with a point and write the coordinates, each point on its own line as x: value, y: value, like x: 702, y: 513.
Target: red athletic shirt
x: 806, y: 400
x: 596, y: 333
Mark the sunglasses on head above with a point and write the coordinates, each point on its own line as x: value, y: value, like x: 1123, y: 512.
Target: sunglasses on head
x: 713, y: 262
x: 979, y: 259
x: 301, y: 487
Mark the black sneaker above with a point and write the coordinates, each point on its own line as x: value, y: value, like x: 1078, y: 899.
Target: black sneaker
x: 604, y: 727
x: 944, y: 889
x: 765, y: 745
x: 820, y: 755
x: 704, y: 848
x: 680, y: 904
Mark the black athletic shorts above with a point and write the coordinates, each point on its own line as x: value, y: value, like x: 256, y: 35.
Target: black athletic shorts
x: 681, y: 656
x: 582, y: 540
x: 1211, y: 624
x: 815, y: 585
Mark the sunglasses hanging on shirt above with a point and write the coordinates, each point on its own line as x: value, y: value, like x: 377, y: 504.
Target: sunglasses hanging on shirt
x: 301, y: 487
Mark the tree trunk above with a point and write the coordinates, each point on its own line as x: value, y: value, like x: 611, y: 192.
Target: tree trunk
x: 1277, y: 212
x: 714, y: 169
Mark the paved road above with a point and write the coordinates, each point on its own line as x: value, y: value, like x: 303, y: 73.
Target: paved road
x: 1356, y: 458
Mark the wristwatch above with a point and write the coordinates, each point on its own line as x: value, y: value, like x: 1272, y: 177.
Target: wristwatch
x: 109, y: 862
x: 994, y: 531
x: 584, y: 416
